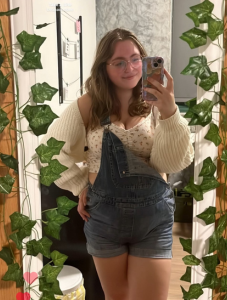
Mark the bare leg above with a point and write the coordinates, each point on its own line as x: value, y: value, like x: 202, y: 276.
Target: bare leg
x: 112, y: 273
x: 148, y: 278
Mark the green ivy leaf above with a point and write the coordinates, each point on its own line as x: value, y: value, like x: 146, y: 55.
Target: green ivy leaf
x: 53, y: 229
x: 210, y: 281
x: 197, y: 66
x: 47, y: 152
x: 209, y: 183
x: 222, y: 248
x: 222, y: 224
x: 224, y: 156
x: 191, y: 260
x: 53, y: 215
x: 194, y: 292
x: 6, y: 184
x: 208, y: 216
x: 187, y: 275
x: 17, y: 240
x: 194, y: 18
x: 51, y: 273
x: 213, y: 134
x: 43, y: 285
x: 14, y: 273
x: 194, y: 189
x: 194, y: 37
x: 65, y: 205
x: 4, y: 121
x: 42, y: 92
x: 58, y: 258
x: 213, y: 242
x: 21, y: 222
x: 208, y: 168
x: 10, y: 12
x: 56, y: 167
x: 56, y: 288
x: 39, y: 117
x: 31, y: 248
x: 55, y: 144
x: 41, y: 246
x: 44, y: 245
x: 18, y: 220
x: 187, y: 244
x: 47, y: 176
x: 215, y: 28
x: 223, y: 284
x: 203, y: 10
x: 48, y: 296
x: 189, y: 114
x: 43, y: 25
x: 9, y: 161
x: 40, y: 41
x: 210, y: 263
x: 26, y: 230
x: 31, y: 60
x: 29, y: 42
x: 6, y: 255
x: 191, y: 103
x: 197, y: 120
x: 4, y: 83
x: 209, y: 82
x: 204, y: 110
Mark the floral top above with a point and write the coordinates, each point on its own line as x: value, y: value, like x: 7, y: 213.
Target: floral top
x: 139, y: 139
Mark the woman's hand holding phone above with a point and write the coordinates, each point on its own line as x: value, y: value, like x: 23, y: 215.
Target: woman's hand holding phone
x: 165, y: 96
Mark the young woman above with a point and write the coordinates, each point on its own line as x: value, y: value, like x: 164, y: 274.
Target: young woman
x: 127, y: 205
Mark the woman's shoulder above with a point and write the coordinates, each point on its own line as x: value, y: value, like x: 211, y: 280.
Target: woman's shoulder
x: 84, y: 104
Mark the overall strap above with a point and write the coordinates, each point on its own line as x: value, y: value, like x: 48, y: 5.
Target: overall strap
x: 105, y: 121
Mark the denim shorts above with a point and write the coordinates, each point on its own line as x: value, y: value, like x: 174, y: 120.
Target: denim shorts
x: 131, y: 207
x: 142, y: 229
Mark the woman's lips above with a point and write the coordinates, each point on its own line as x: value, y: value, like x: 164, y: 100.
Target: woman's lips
x: 129, y: 77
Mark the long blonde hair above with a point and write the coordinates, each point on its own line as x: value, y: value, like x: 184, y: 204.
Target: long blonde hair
x: 101, y: 89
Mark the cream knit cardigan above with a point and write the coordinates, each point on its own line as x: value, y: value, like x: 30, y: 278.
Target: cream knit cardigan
x: 172, y: 149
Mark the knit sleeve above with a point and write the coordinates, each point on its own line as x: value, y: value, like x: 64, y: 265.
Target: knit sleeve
x: 70, y: 129
x: 172, y: 149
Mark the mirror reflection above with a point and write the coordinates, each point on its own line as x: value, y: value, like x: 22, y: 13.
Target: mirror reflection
x: 125, y: 236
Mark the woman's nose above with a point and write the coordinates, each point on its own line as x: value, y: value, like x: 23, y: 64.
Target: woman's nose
x: 129, y: 66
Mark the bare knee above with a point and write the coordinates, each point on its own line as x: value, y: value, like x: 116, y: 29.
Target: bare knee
x: 123, y: 295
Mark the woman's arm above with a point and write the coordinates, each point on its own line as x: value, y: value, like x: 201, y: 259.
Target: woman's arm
x: 172, y: 149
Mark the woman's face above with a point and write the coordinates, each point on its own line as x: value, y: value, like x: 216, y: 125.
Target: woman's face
x: 125, y: 78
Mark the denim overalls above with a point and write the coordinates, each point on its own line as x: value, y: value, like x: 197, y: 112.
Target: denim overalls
x: 130, y: 204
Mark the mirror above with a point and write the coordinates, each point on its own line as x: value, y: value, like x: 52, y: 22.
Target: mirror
x: 152, y: 23
x: 157, y: 36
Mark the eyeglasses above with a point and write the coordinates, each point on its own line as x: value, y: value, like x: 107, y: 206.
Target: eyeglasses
x: 121, y: 65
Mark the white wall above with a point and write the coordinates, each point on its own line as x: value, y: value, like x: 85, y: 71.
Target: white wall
x: 45, y: 12
x: 184, y: 86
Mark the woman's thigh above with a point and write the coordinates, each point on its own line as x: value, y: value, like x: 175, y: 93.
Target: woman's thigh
x: 148, y: 278
x: 112, y: 273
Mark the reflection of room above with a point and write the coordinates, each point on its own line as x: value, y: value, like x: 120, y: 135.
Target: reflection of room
x: 158, y: 24
x: 156, y: 43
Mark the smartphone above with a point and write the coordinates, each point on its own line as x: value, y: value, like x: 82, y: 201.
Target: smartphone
x: 151, y: 67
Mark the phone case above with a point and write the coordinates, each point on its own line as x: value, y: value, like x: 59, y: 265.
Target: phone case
x: 151, y: 67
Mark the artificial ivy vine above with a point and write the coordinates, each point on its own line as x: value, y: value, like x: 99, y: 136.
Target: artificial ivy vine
x: 39, y: 118
x: 201, y: 114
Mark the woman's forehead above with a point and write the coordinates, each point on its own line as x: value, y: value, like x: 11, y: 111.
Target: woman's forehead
x: 125, y: 49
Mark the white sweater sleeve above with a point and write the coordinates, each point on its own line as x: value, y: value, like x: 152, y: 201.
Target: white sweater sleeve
x: 70, y: 129
x: 172, y: 149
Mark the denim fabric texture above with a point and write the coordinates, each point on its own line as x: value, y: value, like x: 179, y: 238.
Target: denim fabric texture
x: 130, y: 204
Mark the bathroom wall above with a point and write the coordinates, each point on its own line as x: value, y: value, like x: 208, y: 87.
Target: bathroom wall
x: 151, y: 21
